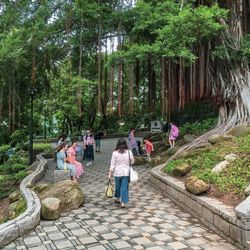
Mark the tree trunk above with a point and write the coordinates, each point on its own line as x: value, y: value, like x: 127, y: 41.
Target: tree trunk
x: 131, y: 89
x: 99, y: 60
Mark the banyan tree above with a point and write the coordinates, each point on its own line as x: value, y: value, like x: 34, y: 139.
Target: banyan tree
x: 199, y: 48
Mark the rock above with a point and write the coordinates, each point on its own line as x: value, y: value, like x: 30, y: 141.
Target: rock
x: 247, y: 191
x: 216, y: 138
x: 157, y: 160
x: 68, y: 192
x: 220, y: 166
x: 230, y: 157
x: 172, y: 151
x: 196, y: 186
x: 182, y: 169
x: 51, y: 208
x: 239, y: 131
x: 202, y: 145
x: 15, y: 196
x: 38, y: 188
x: 139, y: 160
x: 188, y: 138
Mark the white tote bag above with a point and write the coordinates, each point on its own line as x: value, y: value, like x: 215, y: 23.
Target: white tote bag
x: 133, y: 175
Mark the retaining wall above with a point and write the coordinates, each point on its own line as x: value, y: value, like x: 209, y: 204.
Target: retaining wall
x: 232, y: 224
x: 28, y: 220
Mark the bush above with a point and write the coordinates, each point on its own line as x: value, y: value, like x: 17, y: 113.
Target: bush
x: 4, y: 153
x: 198, y: 128
x: 43, y: 147
x: 18, y: 137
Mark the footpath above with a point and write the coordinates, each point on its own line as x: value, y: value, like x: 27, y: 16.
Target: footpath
x: 150, y: 220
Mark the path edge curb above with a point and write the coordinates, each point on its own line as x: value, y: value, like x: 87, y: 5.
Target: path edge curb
x: 224, y: 220
x: 28, y: 220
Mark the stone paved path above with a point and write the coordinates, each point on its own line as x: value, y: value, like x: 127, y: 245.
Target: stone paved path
x: 150, y: 221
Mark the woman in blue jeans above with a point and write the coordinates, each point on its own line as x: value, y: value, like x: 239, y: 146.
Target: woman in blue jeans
x: 121, y: 159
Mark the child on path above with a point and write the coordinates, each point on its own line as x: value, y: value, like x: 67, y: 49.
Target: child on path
x: 148, y: 147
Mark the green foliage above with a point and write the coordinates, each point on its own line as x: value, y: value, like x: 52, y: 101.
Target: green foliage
x: 4, y: 153
x: 43, y: 147
x: 198, y: 128
x: 234, y: 178
x: 20, y: 207
x: 18, y: 136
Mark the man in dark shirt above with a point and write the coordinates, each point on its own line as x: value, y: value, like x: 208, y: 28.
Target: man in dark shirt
x: 98, y: 136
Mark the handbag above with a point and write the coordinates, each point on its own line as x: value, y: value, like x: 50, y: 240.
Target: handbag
x: 109, y: 191
x: 133, y: 175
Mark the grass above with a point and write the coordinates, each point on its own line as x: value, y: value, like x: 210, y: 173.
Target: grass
x: 235, y: 178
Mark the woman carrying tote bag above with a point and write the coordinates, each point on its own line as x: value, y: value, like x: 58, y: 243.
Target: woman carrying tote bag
x: 121, y: 159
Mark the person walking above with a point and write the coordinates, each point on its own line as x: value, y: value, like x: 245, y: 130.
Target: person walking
x: 62, y: 161
x: 71, y: 154
x: 98, y: 137
x: 121, y: 160
x: 132, y: 142
x: 88, y: 146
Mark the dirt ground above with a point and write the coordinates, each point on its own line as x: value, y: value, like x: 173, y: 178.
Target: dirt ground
x: 4, y: 204
x: 230, y: 199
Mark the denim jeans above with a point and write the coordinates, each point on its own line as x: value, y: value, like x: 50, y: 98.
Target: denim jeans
x: 121, y: 188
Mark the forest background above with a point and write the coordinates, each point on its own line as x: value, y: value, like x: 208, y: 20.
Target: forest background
x: 118, y: 64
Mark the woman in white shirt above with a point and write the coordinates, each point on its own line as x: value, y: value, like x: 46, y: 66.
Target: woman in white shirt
x: 121, y: 159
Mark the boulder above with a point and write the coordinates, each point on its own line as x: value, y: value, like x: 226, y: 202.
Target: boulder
x: 68, y: 192
x: 157, y: 160
x: 51, y: 208
x: 196, y: 186
x: 38, y: 188
x: 202, y: 145
x: 216, y: 138
x: 139, y: 160
x: 239, y: 131
x: 172, y: 151
x: 230, y: 157
x: 247, y: 191
x: 188, y: 138
x: 220, y: 166
x: 15, y: 196
x: 182, y: 169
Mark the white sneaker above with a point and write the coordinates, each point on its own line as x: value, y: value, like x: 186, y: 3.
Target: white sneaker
x: 88, y: 163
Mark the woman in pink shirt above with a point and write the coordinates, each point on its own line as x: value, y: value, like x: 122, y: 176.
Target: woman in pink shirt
x: 121, y: 160
x: 71, y: 154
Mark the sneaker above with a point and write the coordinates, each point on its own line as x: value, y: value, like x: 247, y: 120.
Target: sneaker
x: 88, y: 163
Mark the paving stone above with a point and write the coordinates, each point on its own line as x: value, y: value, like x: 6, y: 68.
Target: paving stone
x: 63, y: 244
x: 150, y: 221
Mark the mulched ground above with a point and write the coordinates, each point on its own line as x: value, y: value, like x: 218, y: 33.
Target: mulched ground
x: 4, y: 204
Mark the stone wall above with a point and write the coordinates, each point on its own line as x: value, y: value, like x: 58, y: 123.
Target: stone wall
x: 231, y: 224
x: 28, y: 220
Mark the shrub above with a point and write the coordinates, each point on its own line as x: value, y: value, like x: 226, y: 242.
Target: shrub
x: 198, y: 128
x: 43, y: 147
x: 19, y: 136
x: 4, y: 153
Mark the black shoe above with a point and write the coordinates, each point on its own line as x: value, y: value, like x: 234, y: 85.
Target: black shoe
x: 123, y: 207
x: 117, y: 202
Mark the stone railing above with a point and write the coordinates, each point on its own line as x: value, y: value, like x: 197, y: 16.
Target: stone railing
x: 28, y: 220
x: 232, y: 224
